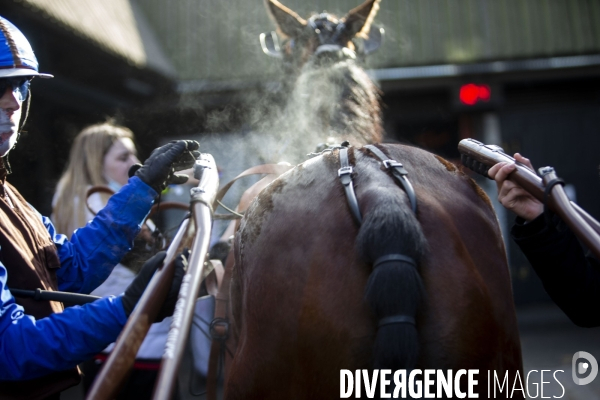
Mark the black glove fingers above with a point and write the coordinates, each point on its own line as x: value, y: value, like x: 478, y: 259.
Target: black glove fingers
x: 179, y: 157
x: 152, y: 265
x: 191, y: 145
x: 133, y: 169
x: 136, y: 288
x: 160, y: 167
x: 178, y: 179
x: 186, y: 160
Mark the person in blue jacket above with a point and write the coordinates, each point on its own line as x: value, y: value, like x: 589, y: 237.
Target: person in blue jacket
x: 41, y: 343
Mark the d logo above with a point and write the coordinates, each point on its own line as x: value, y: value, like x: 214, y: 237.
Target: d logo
x: 584, y: 367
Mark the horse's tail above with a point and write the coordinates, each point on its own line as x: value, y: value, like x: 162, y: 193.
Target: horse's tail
x: 391, y: 238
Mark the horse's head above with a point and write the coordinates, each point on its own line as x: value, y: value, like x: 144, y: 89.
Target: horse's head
x: 330, y: 98
x: 323, y: 37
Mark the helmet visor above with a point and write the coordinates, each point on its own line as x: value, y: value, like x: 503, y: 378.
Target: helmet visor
x: 15, y: 72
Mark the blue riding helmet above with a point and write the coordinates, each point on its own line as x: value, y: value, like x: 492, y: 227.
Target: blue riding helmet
x: 16, y: 55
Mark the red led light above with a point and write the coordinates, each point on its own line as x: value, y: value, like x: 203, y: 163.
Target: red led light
x: 471, y: 93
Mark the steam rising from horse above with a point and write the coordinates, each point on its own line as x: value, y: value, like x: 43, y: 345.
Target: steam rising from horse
x: 307, y: 300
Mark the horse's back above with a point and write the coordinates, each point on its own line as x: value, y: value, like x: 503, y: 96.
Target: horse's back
x: 299, y: 282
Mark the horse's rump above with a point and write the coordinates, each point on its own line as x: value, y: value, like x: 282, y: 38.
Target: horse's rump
x: 299, y: 283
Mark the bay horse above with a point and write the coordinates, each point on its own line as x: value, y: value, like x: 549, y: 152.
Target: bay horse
x: 317, y: 289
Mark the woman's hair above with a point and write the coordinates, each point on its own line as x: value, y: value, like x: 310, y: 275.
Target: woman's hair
x: 84, y: 169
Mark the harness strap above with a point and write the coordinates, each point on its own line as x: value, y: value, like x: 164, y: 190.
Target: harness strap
x: 219, y: 331
x: 394, y: 257
x: 547, y: 191
x: 214, y: 278
x: 396, y: 319
x: 154, y: 238
x: 399, y: 172
x: 345, y: 174
x: 277, y: 169
x: 163, y: 206
x: 96, y: 189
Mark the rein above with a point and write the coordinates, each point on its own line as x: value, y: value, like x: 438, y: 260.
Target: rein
x: 163, y: 206
x: 269, y: 169
x: 150, y: 234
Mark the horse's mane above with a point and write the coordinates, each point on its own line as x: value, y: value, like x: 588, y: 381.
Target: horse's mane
x: 343, y: 98
x: 332, y: 102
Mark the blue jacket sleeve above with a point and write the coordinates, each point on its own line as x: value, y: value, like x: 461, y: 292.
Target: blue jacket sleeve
x: 93, y: 251
x: 31, y: 348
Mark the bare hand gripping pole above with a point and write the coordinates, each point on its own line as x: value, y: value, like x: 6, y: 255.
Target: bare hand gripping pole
x: 480, y: 158
x: 202, y: 198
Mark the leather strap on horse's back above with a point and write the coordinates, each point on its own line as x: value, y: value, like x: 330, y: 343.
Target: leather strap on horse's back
x: 219, y: 330
x: 399, y: 172
x: 345, y: 174
x: 214, y: 279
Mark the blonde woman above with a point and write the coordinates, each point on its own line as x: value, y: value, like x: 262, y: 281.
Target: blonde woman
x: 101, y: 155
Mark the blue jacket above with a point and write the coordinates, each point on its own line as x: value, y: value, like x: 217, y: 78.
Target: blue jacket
x: 30, y: 348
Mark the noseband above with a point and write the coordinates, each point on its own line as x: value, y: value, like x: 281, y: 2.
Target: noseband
x: 328, y: 36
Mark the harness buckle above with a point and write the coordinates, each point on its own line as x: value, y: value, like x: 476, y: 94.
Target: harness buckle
x: 219, y: 329
x: 344, y: 171
x: 396, y: 165
x: 392, y: 164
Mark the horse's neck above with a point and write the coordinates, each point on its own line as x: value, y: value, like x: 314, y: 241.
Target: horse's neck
x: 339, y: 101
x: 325, y: 105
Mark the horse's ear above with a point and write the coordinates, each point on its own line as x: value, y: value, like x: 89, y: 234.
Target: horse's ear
x: 358, y: 21
x: 288, y: 22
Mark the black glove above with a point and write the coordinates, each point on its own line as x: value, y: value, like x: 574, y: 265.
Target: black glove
x: 136, y: 288
x: 159, y: 169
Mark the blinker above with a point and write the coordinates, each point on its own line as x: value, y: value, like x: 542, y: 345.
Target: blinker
x: 269, y: 42
x: 372, y: 43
